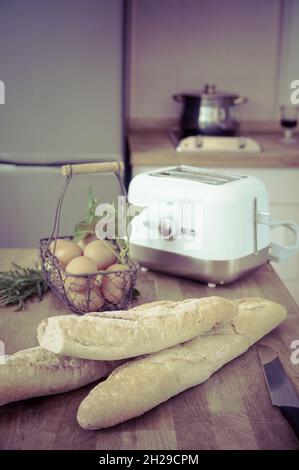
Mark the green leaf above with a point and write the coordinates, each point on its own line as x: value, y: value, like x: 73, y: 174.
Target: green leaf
x: 91, y: 200
x: 87, y: 225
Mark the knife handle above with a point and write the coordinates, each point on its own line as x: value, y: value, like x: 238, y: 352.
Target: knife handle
x: 292, y: 415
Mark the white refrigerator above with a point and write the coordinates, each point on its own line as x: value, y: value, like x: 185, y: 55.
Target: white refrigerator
x: 62, y: 65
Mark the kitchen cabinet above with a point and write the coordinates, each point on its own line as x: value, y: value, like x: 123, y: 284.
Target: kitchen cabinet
x: 232, y: 410
x: 277, y: 166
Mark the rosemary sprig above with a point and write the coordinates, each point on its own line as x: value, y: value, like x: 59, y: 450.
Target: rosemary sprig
x: 18, y: 284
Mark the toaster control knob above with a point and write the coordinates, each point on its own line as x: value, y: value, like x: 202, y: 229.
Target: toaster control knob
x: 166, y: 229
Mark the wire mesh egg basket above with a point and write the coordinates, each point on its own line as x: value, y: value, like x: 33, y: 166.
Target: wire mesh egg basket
x: 101, y: 291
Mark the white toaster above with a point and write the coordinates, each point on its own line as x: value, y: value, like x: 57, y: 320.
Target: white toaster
x: 202, y: 224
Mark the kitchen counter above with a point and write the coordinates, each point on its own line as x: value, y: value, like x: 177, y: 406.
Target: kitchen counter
x: 232, y: 410
x: 152, y: 147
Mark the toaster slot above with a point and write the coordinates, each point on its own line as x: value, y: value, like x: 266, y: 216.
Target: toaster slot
x: 196, y: 174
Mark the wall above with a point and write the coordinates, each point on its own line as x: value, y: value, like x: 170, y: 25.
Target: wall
x: 61, y: 62
x: 241, y: 45
x: 289, y: 50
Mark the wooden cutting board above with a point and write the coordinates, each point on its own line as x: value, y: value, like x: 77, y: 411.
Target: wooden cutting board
x: 232, y: 410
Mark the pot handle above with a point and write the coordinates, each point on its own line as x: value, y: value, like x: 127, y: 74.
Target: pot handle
x: 178, y: 98
x: 240, y: 100
x: 282, y: 252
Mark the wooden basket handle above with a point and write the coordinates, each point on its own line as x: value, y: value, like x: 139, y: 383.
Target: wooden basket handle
x: 97, y: 167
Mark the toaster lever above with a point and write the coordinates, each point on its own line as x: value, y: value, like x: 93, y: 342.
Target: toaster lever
x: 258, y: 218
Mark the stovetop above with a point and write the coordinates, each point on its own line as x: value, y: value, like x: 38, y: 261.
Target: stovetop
x: 194, y: 142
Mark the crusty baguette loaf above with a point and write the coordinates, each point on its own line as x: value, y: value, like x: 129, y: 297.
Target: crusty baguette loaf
x: 37, y: 372
x: 141, y: 384
x: 142, y: 330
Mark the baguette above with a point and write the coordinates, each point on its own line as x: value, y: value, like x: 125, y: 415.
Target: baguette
x: 37, y: 372
x: 141, y: 330
x: 139, y: 385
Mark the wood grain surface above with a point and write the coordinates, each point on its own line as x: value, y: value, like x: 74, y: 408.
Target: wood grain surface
x: 153, y: 147
x: 232, y: 410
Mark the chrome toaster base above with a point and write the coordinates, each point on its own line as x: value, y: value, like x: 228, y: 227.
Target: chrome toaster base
x: 216, y: 272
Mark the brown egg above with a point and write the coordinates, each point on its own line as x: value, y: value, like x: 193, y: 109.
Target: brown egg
x: 85, y: 241
x: 115, y: 286
x: 58, y: 244
x: 80, y: 265
x: 66, y: 251
x: 80, y: 300
x: 101, y: 252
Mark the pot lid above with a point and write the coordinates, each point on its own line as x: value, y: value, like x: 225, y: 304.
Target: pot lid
x: 211, y: 92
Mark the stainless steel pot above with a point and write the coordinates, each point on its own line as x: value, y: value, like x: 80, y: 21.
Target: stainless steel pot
x: 210, y: 112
